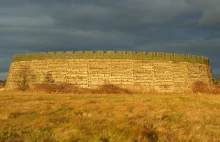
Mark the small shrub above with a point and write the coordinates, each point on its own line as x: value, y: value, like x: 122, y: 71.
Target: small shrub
x: 4, y: 82
x: 216, y: 81
x: 24, y: 84
x: 111, y: 89
x: 200, y: 87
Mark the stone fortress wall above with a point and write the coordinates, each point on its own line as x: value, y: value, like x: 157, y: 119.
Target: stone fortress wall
x: 164, y: 72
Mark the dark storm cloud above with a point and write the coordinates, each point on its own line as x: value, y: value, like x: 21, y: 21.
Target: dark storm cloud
x: 184, y: 26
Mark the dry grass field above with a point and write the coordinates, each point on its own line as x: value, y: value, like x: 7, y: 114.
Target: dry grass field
x: 41, y: 117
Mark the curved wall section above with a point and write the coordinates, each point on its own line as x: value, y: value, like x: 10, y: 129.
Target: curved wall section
x: 161, y: 73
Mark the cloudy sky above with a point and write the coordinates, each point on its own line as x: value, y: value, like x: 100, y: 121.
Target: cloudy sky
x: 183, y: 26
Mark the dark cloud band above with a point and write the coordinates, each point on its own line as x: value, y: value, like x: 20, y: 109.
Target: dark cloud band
x: 182, y: 26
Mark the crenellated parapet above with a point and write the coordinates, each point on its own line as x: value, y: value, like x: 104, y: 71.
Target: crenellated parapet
x: 111, y: 55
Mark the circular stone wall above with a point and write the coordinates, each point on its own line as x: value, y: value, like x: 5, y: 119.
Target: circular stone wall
x: 163, y: 72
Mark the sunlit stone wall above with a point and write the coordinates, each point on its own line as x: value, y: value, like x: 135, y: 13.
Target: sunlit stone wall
x: 159, y: 72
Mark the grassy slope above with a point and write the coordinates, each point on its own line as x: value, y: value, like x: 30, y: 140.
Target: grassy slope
x: 167, y: 117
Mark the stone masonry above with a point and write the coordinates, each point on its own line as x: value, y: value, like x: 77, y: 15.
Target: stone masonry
x: 160, y: 75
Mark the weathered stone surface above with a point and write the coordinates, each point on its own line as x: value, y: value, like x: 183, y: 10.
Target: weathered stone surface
x: 164, y: 76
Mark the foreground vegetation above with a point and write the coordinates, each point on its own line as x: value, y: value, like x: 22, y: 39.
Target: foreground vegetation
x: 34, y: 116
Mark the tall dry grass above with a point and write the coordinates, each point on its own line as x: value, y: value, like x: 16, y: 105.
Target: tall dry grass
x: 37, y: 116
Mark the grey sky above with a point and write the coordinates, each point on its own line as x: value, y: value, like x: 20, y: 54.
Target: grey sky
x: 184, y: 26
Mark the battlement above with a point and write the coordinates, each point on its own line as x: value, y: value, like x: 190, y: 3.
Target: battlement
x: 111, y: 55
